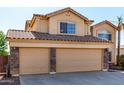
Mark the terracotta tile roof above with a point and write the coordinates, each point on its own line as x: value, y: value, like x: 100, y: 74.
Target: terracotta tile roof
x: 33, y: 35
x: 19, y: 34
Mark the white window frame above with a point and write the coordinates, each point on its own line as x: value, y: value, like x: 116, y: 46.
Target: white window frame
x: 67, y: 22
x: 101, y: 32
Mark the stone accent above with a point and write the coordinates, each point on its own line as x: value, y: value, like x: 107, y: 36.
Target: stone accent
x: 13, y: 59
x: 106, y: 59
x: 52, y: 60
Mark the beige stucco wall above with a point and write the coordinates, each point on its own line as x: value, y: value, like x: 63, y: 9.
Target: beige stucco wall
x: 54, y: 23
x: 111, y: 30
x: 57, y: 44
x: 40, y: 25
x: 79, y: 60
x: 43, y: 25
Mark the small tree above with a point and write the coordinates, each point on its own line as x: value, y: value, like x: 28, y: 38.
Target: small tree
x: 3, y: 44
x: 120, y: 27
x: 3, y: 52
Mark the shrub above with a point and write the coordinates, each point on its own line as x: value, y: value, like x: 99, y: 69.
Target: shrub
x: 3, y: 44
x: 121, y: 58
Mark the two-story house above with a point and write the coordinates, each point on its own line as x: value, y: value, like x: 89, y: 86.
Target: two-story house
x: 61, y: 41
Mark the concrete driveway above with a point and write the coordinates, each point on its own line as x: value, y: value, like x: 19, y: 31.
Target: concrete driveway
x: 78, y: 78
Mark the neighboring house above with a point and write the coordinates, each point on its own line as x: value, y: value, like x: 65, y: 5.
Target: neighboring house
x: 61, y: 41
x: 107, y: 31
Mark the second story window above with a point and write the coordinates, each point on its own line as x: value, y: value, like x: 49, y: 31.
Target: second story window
x: 105, y: 35
x: 67, y: 27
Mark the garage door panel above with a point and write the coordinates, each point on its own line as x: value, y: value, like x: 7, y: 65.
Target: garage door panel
x: 34, y: 60
x: 71, y: 60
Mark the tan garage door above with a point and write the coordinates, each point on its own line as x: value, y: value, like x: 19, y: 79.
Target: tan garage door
x: 72, y: 60
x: 34, y: 60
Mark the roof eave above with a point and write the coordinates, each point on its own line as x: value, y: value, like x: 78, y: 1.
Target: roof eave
x: 15, y: 39
x: 68, y: 9
x: 106, y: 21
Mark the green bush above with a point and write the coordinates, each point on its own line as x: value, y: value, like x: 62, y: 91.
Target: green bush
x: 4, y: 53
x: 121, y: 59
x: 3, y: 44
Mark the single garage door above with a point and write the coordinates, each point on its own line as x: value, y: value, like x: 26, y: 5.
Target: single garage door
x: 34, y: 60
x: 72, y: 60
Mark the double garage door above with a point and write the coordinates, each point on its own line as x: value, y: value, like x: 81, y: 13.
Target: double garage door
x: 37, y: 60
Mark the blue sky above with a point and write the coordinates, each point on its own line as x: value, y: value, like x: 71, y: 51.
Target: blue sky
x: 14, y: 17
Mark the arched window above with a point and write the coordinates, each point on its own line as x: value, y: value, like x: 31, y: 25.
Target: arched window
x: 104, y: 34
